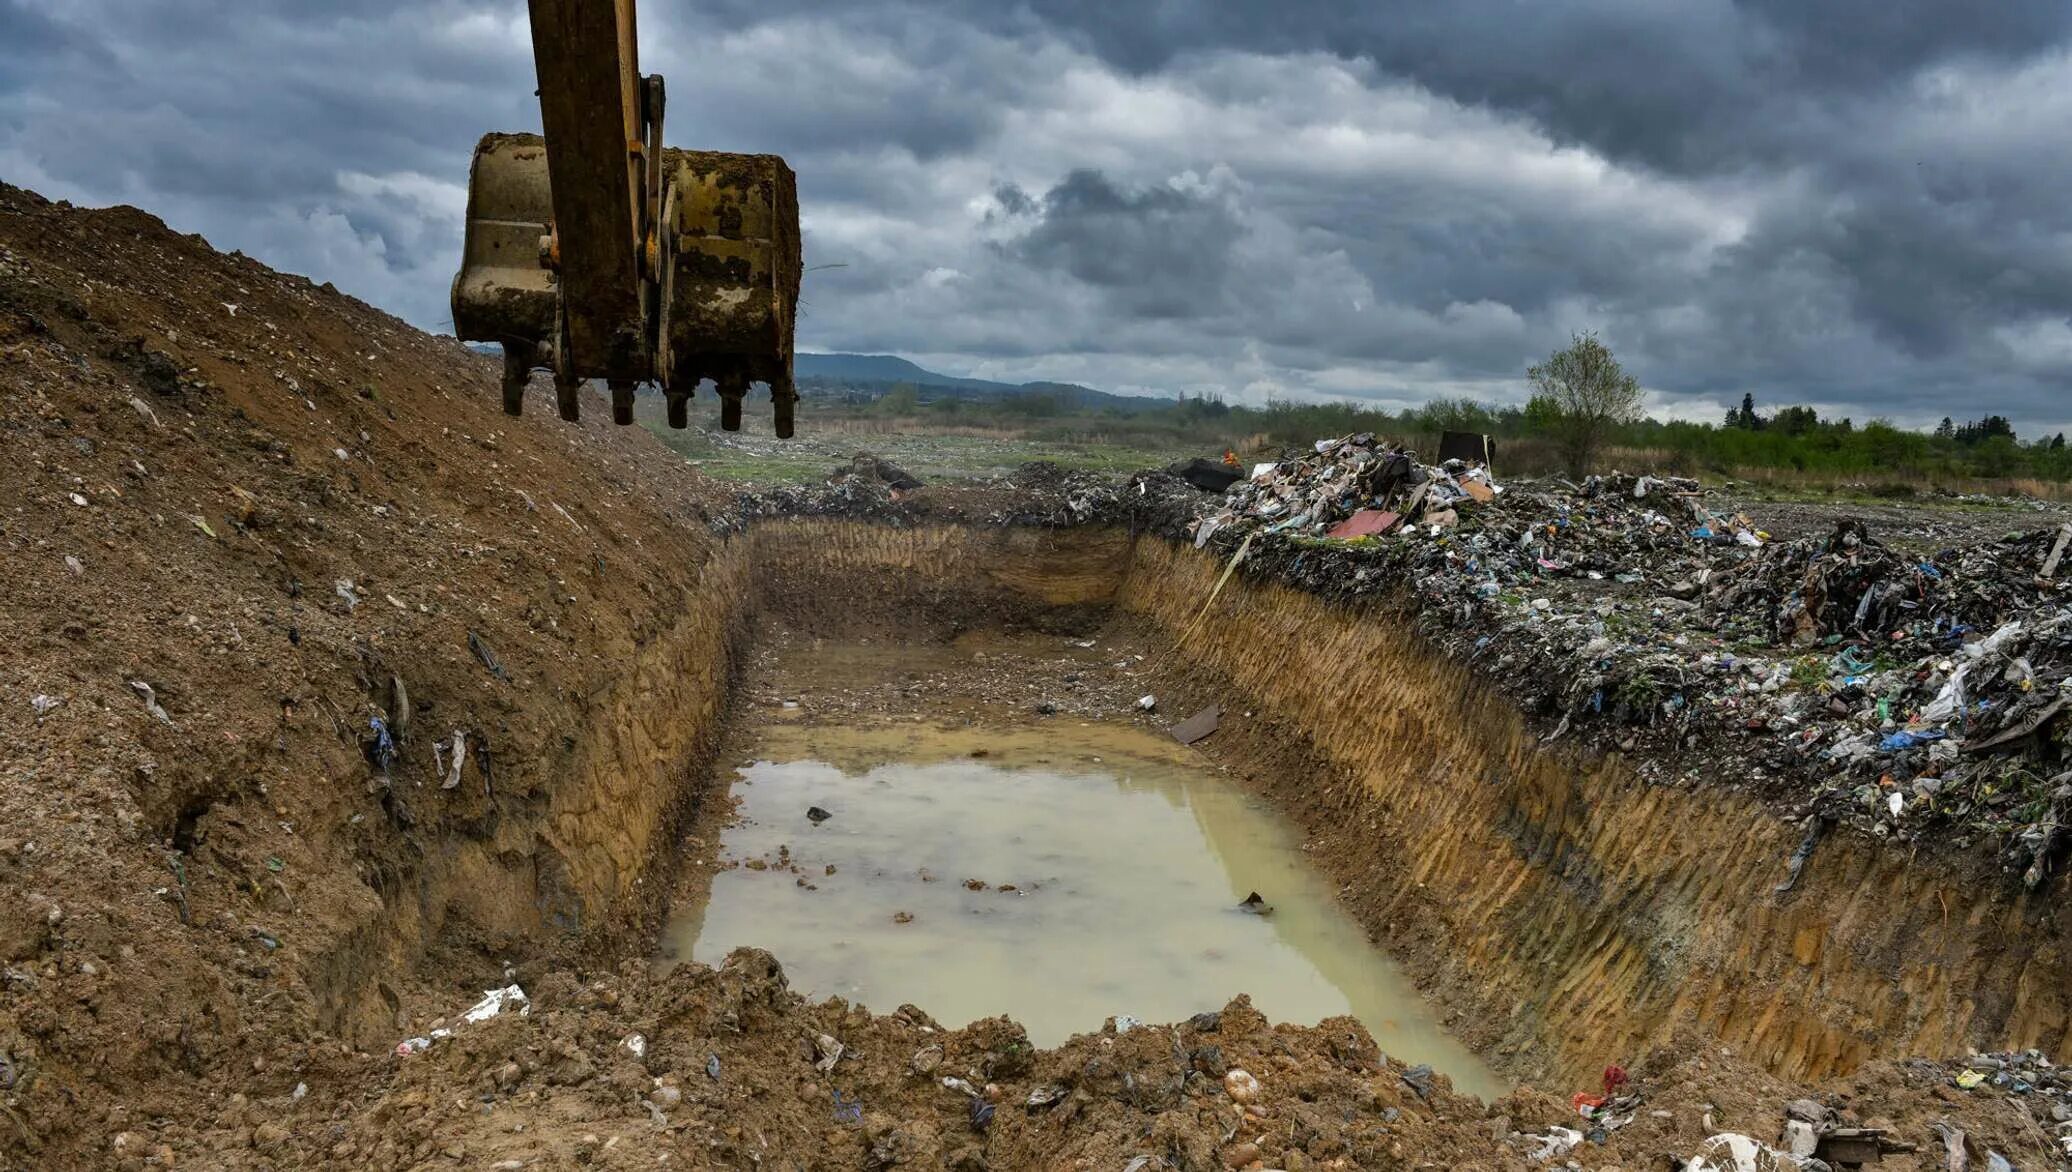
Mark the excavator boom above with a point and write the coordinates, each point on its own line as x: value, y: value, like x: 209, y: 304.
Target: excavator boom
x: 595, y: 253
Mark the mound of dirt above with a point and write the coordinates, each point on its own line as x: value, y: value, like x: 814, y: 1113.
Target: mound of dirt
x: 269, y: 551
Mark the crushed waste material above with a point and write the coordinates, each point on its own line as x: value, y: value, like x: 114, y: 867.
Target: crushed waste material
x: 1909, y: 695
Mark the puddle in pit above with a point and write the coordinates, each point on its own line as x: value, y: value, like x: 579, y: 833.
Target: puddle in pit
x: 1128, y: 858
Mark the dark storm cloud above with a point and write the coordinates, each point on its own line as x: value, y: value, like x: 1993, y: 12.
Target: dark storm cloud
x: 1858, y: 204
x: 1155, y: 252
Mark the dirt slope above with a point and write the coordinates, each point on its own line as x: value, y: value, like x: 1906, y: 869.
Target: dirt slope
x: 266, y: 501
x: 235, y: 511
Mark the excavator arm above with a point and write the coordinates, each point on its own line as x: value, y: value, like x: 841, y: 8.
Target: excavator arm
x: 594, y: 252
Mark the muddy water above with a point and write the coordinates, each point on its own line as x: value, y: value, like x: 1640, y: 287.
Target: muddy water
x: 1059, y: 874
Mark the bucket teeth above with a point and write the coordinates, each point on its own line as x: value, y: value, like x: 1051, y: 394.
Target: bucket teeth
x: 783, y: 396
x: 733, y: 387
x: 622, y: 401
x: 568, y: 396
x: 517, y: 372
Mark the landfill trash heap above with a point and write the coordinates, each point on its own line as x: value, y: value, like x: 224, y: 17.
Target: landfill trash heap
x: 1909, y: 697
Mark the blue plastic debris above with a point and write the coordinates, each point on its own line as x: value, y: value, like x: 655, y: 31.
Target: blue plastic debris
x: 384, y: 744
x: 850, y: 1111
x: 1908, y: 738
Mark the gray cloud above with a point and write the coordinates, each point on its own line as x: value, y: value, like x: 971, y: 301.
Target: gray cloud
x: 1155, y: 253
x: 1856, y: 204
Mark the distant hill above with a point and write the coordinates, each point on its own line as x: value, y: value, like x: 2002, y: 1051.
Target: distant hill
x: 878, y: 371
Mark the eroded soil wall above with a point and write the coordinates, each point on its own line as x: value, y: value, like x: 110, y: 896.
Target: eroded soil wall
x: 568, y: 859
x: 1577, y: 916
x: 1568, y: 913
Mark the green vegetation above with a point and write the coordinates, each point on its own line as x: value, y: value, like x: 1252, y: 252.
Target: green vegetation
x: 1790, y: 446
x: 1580, y: 397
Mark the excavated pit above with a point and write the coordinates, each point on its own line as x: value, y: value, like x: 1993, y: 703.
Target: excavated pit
x: 252, y: 525
x: 1558, y: 914
x: 908, y: 828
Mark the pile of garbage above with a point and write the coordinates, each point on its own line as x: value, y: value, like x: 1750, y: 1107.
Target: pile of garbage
x: 2043, y: 1088
x: 1904, y: 694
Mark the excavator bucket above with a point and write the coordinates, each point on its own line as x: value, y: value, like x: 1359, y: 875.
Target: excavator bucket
x: 730, y: 281
x: 726, y: 255
x: 505, y: 291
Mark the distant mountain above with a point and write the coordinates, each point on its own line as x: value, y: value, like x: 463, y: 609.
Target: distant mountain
x: 879, y: 370
x: 884, y: 368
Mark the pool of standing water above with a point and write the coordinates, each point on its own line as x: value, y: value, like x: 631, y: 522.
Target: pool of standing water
x: 1060, y: 874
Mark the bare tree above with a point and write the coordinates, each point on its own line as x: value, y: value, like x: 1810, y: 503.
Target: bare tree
x: 1582, y: 394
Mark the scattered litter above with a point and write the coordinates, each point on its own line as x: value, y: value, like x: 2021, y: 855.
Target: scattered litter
x: 1364, y: 523
x: 45, y: 704
x: 344, y: 589
x: 828, y: 1052
x: 1419, y: 1078
x: 488, y: 657
x: 1731, y: 1152
x: 1147, y: 703
x: 712, y: 1067
x: 381, y: 747
x: 1199, y: 726
x: 150, y: 698
x: 494, y: 1002
x: 458, y: 758
x: 634, y: 1044
x: 1124, y: 1023
x: 1558, y: 1142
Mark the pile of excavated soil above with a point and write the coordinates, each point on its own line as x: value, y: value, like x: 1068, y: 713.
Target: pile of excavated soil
x: 236, y: 509
x: 271, y: 557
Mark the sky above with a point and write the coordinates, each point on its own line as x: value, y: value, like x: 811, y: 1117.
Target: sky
x: 1861, y: 205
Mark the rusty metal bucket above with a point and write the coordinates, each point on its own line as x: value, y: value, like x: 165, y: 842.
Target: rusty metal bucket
x: 730, y: 278
x: 727, y: 257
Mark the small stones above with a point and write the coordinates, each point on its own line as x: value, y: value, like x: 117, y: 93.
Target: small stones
x: 1241, y: 1085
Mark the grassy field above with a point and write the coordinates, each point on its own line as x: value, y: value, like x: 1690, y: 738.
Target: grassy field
x: 977, y: 442
x: 756, y: 456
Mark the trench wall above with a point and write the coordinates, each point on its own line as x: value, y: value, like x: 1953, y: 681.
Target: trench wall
x: 567, y: 853
x: 1569, y: 914
x: 1576, y: 915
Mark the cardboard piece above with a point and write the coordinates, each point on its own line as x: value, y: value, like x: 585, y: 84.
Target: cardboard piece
x: 1365, y: 523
